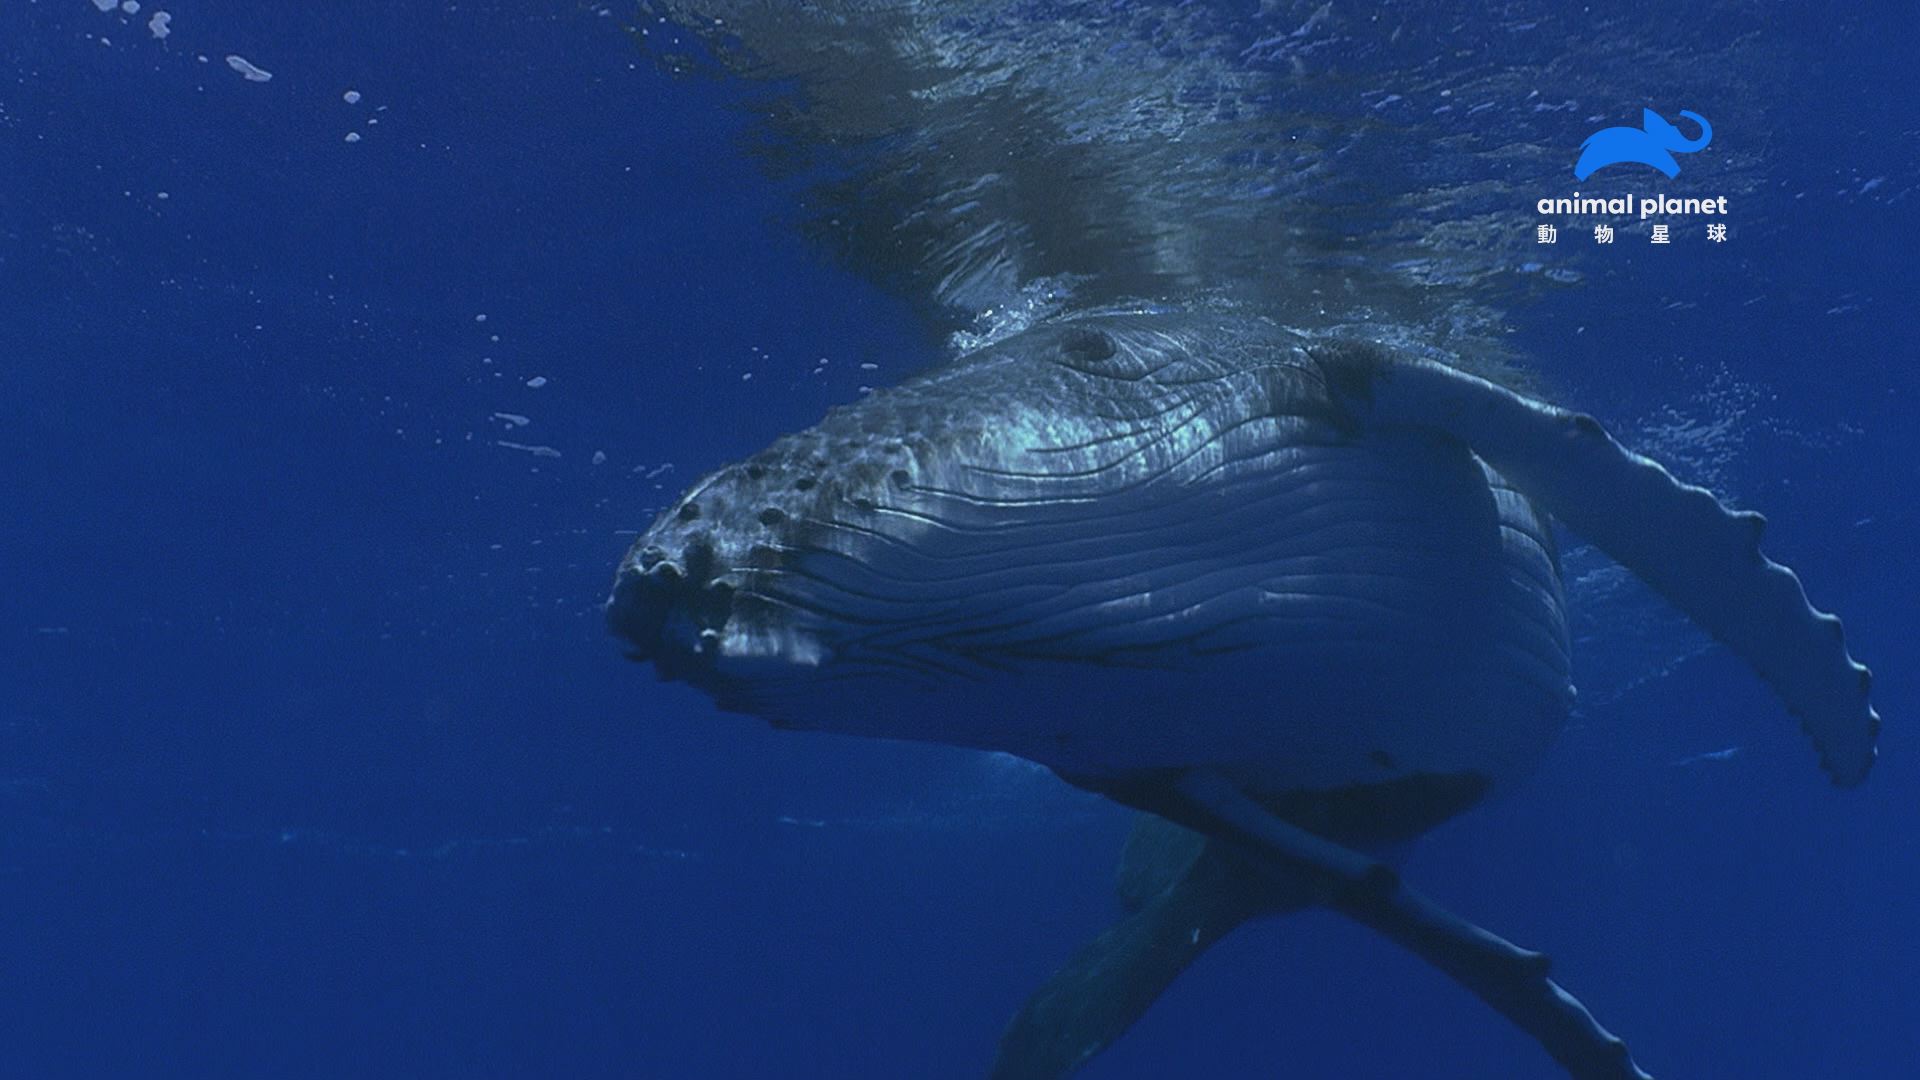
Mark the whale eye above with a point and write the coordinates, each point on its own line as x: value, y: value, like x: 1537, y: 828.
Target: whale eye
x: 1095, y: 352
x: 1082, y: 345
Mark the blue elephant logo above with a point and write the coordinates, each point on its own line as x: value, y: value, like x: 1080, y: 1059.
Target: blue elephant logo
x: 1653, y: 143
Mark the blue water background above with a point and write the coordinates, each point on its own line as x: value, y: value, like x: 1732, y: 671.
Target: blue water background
x: 315, y: 759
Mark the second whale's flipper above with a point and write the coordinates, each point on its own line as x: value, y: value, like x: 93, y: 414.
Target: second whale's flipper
x: 1693, y: 550
x: 1185, y: 892
x: 1511, y: 979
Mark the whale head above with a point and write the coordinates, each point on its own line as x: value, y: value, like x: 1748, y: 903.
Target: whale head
x: 1007, y: 509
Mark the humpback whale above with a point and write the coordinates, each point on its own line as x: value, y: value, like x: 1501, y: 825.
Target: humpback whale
x: 1216, y: 525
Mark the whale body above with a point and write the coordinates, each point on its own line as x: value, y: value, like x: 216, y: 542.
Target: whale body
x: 1294, y: 592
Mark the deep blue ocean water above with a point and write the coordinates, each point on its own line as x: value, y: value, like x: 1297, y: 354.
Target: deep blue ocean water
x: 316, y: 759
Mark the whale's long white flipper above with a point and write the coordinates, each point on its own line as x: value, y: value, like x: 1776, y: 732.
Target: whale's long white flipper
x: 1702, y: 556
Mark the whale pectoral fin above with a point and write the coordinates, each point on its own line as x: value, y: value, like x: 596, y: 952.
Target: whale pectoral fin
x: 1113, y: 979
x: 1511, y: 979
x: 1702, y: 556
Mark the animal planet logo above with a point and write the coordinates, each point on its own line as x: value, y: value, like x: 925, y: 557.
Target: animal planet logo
x: 1653, y: 143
